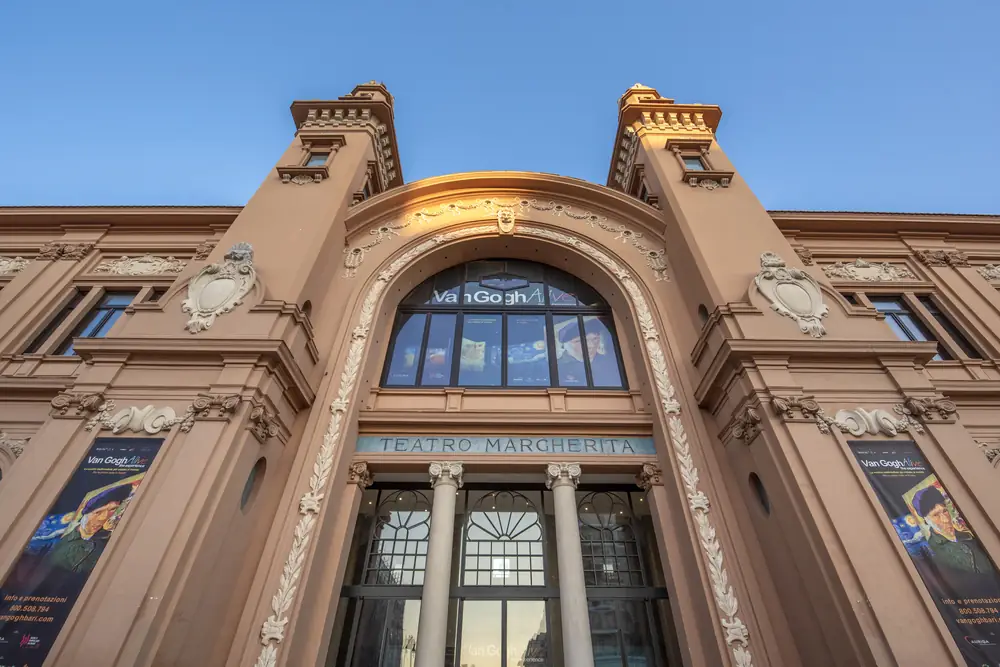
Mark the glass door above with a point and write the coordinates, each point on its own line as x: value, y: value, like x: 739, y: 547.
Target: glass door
x: 504, y: 633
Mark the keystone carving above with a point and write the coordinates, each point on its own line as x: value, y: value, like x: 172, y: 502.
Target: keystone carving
x: 505, y: 221
x: 12, y: 264
x: 69, y: 251
x: 558, y: 472
x: 360, y: 475
x: 942, y: 257
x: 806, y: 255
x: 746, y: 426
x: 649, y: 476
x: 263, y: 424
x: 148, y: 420
x: 925, y: 409
x: 203, y: 250
x: 147, y: 265
x: 83, y: 403
x: 860, y: 270
x: 446, y: 472
x: 792, y: 293
x: 218, y: 288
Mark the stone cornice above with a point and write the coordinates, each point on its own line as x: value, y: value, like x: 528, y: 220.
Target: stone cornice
x: 55, y: 219
x: 844, y: 222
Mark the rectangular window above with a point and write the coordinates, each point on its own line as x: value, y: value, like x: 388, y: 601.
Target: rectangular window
x: 482, y: 351
x: 440, y: 343
x: 693, y: 163
x: 851, y: 298
x: 527, y: 351
x: 904, y: 323
x: 317, y: 159
x: 366, y: 191
x: 55, y: 322
x: 569, y: 352
x: 99, y: 320
x: 601, y: 352
x: 406, y: 350
x: 644, y: 193
x: 959, y: 339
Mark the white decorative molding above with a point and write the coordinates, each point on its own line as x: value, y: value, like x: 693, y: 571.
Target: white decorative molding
x: 12, y: 264
x: 448, y: 472
x: 792, y: 293
x: 649, y: 476
x: 857, y: 422
x: 655, y: 257
x: 218, y: 288
x: 147, y: 265
x: 862, y: 271
x: 990, y: 271
x: 736, y: 634
x: 566, y: 472
x: 148, y: 420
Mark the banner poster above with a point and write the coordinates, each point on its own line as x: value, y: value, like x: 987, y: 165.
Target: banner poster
x: 47, y: 578
x: 954, y: 565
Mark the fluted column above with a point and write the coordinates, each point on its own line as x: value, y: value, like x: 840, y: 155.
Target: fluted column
x: 562, y: 478
x: 432, y: 630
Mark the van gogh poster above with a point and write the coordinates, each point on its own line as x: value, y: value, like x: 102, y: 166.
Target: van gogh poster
x: 958, y: 573
x: 45, y: 582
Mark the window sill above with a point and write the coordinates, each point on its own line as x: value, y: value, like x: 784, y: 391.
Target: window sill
x: 708, y: 179
x: 300, y: 175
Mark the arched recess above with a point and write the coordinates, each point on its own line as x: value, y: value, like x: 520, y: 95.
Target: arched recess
x: 372, y: 301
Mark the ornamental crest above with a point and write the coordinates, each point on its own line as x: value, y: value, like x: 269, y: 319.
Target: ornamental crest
x: 218, y: 288
x: 793, y: 293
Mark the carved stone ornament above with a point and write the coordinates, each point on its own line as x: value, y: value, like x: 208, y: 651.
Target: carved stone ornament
x: 360, y: 475
x: 792, y: 293
x: 218, y: 288
x: 858, y: 421
x: 263, y: 424
x: 147, y: 265
x: 736, y: 634
x: 562, y: 472
x: 649, y: 476
x: 149, y: 420
x: 505, y: 221
x: 805, y: 255
x: 446, y: 472
x: 203, y: 250
x: 925, y: 409
x: 84, y: 404
x: 355, y: 255
x: 943, y: 257
x: 860, y: 270
x: 12, y: 264
x: 990, y: 271
x: 746, y: 426
x: 14, y: 445
x: 202, y: 406
x: 992, y: 453
x: 68, y: 251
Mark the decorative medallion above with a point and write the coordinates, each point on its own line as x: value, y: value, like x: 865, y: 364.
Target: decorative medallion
x: 68, y: 251
x: 792, y: 293
x: 505, y: 221
x: 218, y: 288
x: 736, y: 634
x: 12, y: 264
x: 860, y: 270
x: 147, y: 265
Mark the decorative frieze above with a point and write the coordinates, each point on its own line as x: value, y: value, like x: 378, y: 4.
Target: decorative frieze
x: 149, y: 420
x: 954, y: 258
x: 746, y: 425
x: 147, y: 265
x: 450, y: 471
x: 263, y: 424
x: 925, y: 409
x: 218, y: 288
x: 360, y: 475
x: 202, y: 406
x: 203, y: 250
x: 792, y: 293
x: 857, y: 421
x: 805, y: 255
x: 990, y: 271
x: 10, y: 265
x: 562, y: 472
x: 862, y: 271
x: 625, y: 156
x: 69, y: 251
x: 649, y: 476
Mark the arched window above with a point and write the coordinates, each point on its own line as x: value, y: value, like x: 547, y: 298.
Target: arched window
x: 503, y: 542
x: 504, y: 323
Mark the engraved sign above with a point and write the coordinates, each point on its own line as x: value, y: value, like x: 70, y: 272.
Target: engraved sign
x: 507, y: 444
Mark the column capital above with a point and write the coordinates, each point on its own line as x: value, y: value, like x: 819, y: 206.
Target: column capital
x: 649, y: 476
x: 559, y: 473
x: 446, y: 472
x: 360, y: 474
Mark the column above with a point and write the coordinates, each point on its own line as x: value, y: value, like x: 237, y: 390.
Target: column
x: 562, y: 478
x: 432, y: 628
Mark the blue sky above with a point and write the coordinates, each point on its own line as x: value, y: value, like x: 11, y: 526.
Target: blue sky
x: 845, y: 105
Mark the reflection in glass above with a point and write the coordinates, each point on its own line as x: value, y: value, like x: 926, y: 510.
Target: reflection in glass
x: 610, y: 550
x: 635, y: 633
x: 481, y: 633
x: 387, y: 633
x: 503, y: 542
x: 569, y: 351
x: 440, y: 343
x: 527, y: 635
x: 403, y: 366
x: 527, y: 351
x: 480, y: 363
x: 620, y: 628
x: 398, y: 552
x: 601, y: 350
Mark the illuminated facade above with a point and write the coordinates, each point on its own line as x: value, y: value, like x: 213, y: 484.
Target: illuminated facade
x: 498, y: 419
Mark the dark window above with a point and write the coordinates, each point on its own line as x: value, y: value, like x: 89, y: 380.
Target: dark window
x: 504, y: 323
x: 693, y: 163
x: 54, y: 323
x: 851, y: 298
x: 317, y: 159
x: 948, y: 326
x: 644, y: 193
x: 157, y: 293
x: 366, y: 192
x: 904, y: 323
x: 99, y: 320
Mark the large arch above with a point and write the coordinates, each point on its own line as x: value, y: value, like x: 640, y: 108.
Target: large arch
x: 371, y: 299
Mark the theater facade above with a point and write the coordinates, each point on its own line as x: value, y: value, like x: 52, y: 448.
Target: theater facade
x: 498, y: 419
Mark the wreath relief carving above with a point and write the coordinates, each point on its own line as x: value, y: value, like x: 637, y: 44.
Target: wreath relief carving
x: 735, y: 631
x: 218, y: 288
x: 792, y: 293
